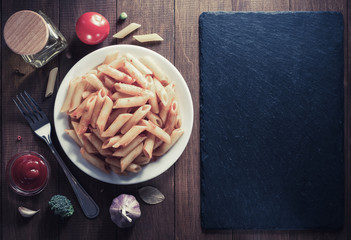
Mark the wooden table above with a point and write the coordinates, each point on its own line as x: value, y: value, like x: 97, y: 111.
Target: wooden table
x: 178, y: 217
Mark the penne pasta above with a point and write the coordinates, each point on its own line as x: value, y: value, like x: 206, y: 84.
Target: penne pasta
x: 117, y: 170
x: 115, y: 74
x: 98, y: 105
x: 172, y: 118
x: 122, y: 152
x: 111, y: 57
x: 161, y: 92
x: 129, y: 136
x: 135, y: 73
x: 142, y: 160
x: 155, y: 68
x: 152, y: 37
x: 176, y: 134
x: 104, y: 114
x: 127, y: 160
x: 86, y: 116
x: 71, y: 88
x: 153, y: 99
x: 154, y: 118
x: 130, y: 102
x: 165, y: 108
x: 94, y: 81
x: 116, y: 162
x: 127, y: 30
x: 137, y: 64
x: 97, y: 143
x: 157, y: 131
x: 111, y: 141
x: 148, y: 146
x: 97, y: 162
x: 77, y: 96
x: 133, y: 90
x: 137, y: 116
x: 116, y: 125
x: 74, y: 136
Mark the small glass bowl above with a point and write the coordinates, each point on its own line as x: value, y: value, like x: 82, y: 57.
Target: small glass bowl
x: 14, y: 162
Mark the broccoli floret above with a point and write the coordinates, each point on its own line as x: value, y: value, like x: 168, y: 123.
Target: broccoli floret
x: 61, y: 206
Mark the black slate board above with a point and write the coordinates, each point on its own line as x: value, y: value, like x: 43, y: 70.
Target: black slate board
x: 271, y: 98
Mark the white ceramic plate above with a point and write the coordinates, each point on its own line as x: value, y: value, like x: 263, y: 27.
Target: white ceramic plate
x: 151, y: 170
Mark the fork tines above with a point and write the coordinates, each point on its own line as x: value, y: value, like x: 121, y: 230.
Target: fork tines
x: 28, y: 107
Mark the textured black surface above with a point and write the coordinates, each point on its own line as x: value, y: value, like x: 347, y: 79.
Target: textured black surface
x: 271, y: 123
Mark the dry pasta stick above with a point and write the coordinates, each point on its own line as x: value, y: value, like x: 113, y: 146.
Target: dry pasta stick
x: 86, y: 117
x: 111, y: 141
x: 161, y: 92
x: 94, y: 81
x: 154, y: 118
x: 165, y: 108
x: 116, y: 162
x: 155, y: 68
x: 157, y: 131
x: 97, y: 162
x: 152, y: 37
x: 132, y: 90
x: 101, y: 96
x: 116, y: 125
x: 141, y: 160
x: 109, y: 58
x: 122, y: 152
x: 74, y: 136
x: 130, y: 102
x: 141, y: 67
x: 127, y: 160
x: 137, y: 116
x: 97, y: 143
x: 149, y: 145
x: 127, y: 30
x: 135, y: 73
x: 153, y: 100
x: 115, y: 74
x: 104, y: 114
x: 51, y: 82
x: 172, y: 117
x: 176, y: 134
x: 77, y: 95
x: 129, y: 136
x: 71, y: 88
x: 86, y: 144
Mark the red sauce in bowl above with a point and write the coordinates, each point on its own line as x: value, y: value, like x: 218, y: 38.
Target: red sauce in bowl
x: 28, y: 173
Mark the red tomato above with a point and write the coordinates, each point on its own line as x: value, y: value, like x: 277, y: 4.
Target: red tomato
x: 92, y: 28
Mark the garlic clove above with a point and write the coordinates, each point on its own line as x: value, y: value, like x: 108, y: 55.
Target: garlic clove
x: 26, y: 212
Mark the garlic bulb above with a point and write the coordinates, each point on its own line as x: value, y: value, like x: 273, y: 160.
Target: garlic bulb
x: 26, y: 212
x: 125, y: 210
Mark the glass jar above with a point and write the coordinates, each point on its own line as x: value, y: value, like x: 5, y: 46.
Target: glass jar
x: 34, y: 37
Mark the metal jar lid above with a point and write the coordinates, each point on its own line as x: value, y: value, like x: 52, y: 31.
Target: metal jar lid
x: 26, y: 32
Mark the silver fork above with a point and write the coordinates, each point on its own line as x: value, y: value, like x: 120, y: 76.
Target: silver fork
x: 40, y: 124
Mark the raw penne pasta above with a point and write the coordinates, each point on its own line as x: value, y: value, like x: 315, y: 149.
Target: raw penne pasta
x: 98, y: 105
x: 155, y: 68
x: 127, y: 160
x: 104, y: 114
x: 116, y: 125
x: 74, y: 136
x: 116, y: 74
x: 161, y: 92
x: 152, y: 37
x: 86, y: 117
x: 122, y: 152
x: 127, y: 30
x: 133, y: 90
x: 97, y: 143
x: 155, y: 130
x: 176, y: 134
x: 129, y: 136
x: 71, y: 88
x: 96, y: 161
x: 154, y: 118
x: 135, y: 61
x: 130, y: 102
x: 135, y: 73
x: 148, y: 146
x: 51, y: 82
x: 137, y: 116
x: 111, y: 141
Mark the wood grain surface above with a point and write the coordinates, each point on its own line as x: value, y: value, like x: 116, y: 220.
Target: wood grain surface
x: 178, y: 217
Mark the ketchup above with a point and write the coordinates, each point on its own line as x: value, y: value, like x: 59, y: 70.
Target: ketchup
x: 29, y: 172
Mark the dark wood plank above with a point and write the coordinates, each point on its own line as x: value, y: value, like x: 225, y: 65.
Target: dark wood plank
x: 44, y: 224
x: 347, y: 18
x: 187, y: 185
x: 330, y: 5
x: 79, y: 226
x: 156, y: 222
